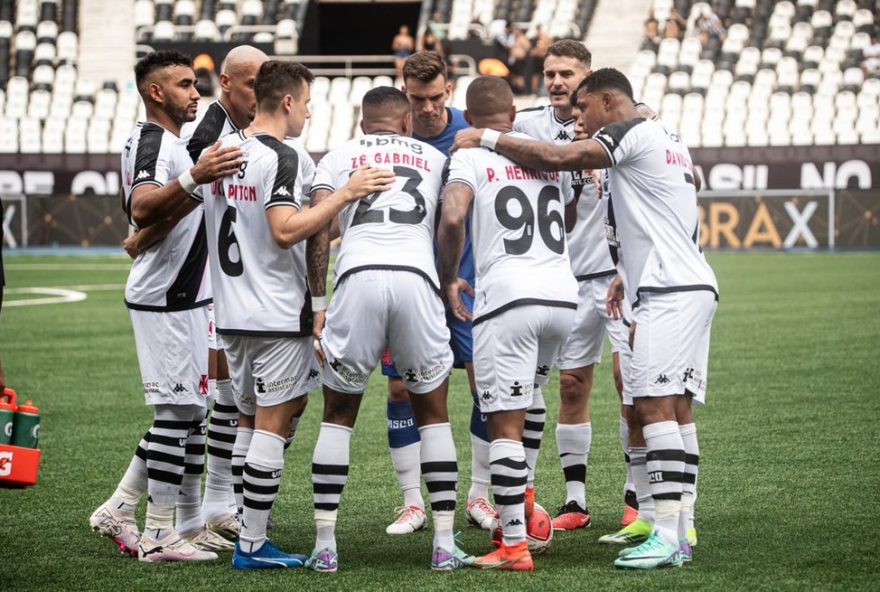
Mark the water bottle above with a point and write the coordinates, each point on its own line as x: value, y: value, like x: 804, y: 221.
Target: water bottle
x: 26, y: 432
x: 7, y: 415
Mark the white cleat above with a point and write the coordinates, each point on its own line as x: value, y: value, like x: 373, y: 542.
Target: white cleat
x: 227, y: 527
x: 408, y: 520
x: 171, y: 548
x: 118, y: 526
x: 207, y: 540
x: 481, y: 513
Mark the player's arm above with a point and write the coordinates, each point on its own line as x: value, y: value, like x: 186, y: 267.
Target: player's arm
x: 145, y: 238
x: 152, y: 203
x: 290, y: 226
x: 541, y: 156
x: 457, y: 198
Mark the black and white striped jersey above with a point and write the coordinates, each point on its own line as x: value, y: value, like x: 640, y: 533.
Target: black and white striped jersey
x: 652, y: 209
x: 211, y: 123
x: 587, y: 247
x: 260, y: 289
x: 172, y: 274
x: 542, y: 123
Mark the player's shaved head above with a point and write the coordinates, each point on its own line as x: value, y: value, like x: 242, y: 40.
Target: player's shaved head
x: 241, y: 56
x: 385, y: 108
x: 488, y: 96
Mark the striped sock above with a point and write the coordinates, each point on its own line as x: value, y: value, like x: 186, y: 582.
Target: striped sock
x: 691, y: 472
x: 638, y: 463
x: 239, y: 452
x: 262, y: 477
x: 507, y: 459
x: 533, y: 432
x: 222, y: 430
x: 329, y: 476
x: 189, y: 509
x: 573, y: 443
x: 440, y: 471
x: 665, y: 473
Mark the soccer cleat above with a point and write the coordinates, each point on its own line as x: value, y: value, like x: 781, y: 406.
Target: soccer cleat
x: 323, y: 561
x: 530, y: 501
x: 266, y: 557
x: 571, y: 517
x: 443, y: 560
x: 227, y: 527
x: 408, y: 519
x: 654, y: 553
x: 692, y: 537
x: 207, y: 540
x: 119, y: 526
x: 171, y: 548
x: 513, y: 558
x: 630, y: 509
x: 636, y: 532
x: 685, y: 552
x: 481, y: 513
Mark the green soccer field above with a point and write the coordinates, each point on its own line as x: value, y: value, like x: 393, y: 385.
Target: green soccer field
x: 789, y: 472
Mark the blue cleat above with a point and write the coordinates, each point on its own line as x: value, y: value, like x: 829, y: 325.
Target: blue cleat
x: 266, y: 557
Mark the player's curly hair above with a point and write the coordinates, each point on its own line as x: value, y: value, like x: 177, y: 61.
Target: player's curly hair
x: 569, y: 48
x: 606, y: 79
x: 156, y: 60
x: 276, y: 78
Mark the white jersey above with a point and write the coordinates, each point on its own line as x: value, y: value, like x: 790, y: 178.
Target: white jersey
x: 394, y: 229
x: 588, y: 249
x: 518, y: 233
x: 211, y: 123
x: 542, y: 123
x: 260, y: 288
x: 172, y: 274
x: 652, y: 210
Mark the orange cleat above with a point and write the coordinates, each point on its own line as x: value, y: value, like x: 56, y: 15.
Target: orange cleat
x: 513, y: 558
x: 630, y: 509
x: 571, y: 517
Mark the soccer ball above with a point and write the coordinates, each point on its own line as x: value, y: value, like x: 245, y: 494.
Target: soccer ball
x: 539, y: 530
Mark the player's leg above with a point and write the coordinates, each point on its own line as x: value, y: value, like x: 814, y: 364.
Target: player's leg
x: 419, y: 342
x: 404, y: 446
x: 630, y: 502
x: 284, y: 370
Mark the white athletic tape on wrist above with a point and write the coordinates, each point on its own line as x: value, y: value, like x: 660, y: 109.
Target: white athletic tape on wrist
x: 187, y: 182
x: 319, y: 303
x: 489, y: 139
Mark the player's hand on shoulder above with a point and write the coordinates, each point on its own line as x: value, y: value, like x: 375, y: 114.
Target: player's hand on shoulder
x: 614, y: 299
x: 216, y: 163
x: 453, y: 294
x: 467, y: 138
x: 367, y: 180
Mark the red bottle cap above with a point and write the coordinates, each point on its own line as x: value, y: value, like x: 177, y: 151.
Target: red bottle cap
x: 8, y: 399
x: 28, y: 407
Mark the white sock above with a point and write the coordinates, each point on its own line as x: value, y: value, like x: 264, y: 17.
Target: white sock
x: 573, y: 443
x: 440, y: 471
x: 330, y: 463
x: 639, y: 466
x: 509, y: 474
x: 262, y: 478
x: 239, y: 452
x: 133, y: 484
x: 481, y: 475
x: 189, y: 507
x: 406, y: 466
x: 691, y: 473
x: 533, y: 432
x: 222, y: 433
x: 665, y: 471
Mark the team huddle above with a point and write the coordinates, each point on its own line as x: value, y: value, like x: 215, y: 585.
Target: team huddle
x: 499, y: 242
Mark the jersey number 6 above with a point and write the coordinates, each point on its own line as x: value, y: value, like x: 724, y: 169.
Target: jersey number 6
x: 225, y: 242
x: 547, y: 218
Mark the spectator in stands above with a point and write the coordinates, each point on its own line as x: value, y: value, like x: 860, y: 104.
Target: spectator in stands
x: 430, y: 42
x: 402, y: 46
x: 652, y: 30
x: 675, y: 25
x: 540, y: 43
x: 504, y: 42
x: 437, y: 25
x: 871, y: 58
x: 709, y: 26
x: 518, y: 59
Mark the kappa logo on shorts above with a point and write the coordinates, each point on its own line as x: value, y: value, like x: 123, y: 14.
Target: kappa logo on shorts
x: 179, y: 388
x: 487, y: 397
x: 516, y: 390
x: 662, y: 379
x: 260, y: 386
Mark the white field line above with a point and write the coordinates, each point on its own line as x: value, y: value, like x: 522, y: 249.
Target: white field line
x: 63, y: 267
x: 58, y: 295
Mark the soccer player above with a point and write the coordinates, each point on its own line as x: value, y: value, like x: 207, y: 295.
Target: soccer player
x: 525, y: 300
x: 167, y: 297
x: 387, y: 290
x: 566, y: 65
x: 234, y: 110
x: 427, y: 88
x: 653, y: 220
x: 257, y: 251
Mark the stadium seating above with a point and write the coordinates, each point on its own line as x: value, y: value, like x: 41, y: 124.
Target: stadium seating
x: 785, y: 73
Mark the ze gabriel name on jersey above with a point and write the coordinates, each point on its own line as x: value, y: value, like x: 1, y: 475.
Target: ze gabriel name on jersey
x: 380, y: 158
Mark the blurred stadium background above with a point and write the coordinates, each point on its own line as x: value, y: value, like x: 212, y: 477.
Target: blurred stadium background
x: 778, y: 101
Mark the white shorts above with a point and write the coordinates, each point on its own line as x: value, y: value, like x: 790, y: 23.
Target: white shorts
x: 584, y: 344
x: 626, y: 367
x: 513, y: 353
x: 267, y: 371
x: 373, y: 308
x: 172, y: 349
x: 671, y: 347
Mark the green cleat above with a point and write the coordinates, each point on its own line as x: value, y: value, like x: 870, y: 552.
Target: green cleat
x: 654, y: 553
x: 636, y: 532
x: 692, y: 537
